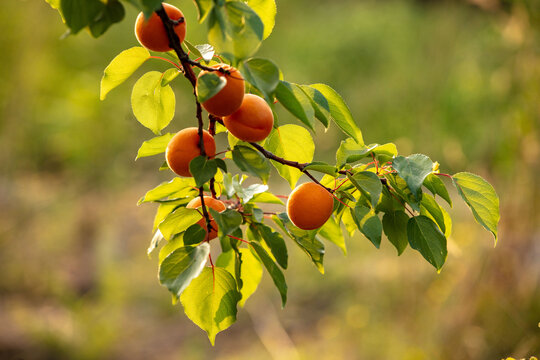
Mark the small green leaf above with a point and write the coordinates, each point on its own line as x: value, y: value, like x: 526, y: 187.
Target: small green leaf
x: 291, y: 142
x: 208, y: 85
x: 178, y: 221
x: 319, y: 103
x: 430, y: 208
x: 113, y: 12
x: 204, y: 7
x: 79, y: 14
x: 275, y: 243
x: 195, y: 234
x: 349, y: 152
x: 413, y: 169
x: 121, y: 68
x: 251, y: 161
x: 332, y: 232
x: 267, y: 198
x: 202, y: 169
x: 424, y: 235
x: 263, y: 74
x: 437, y: 187
x: 293, y: 98
x: 181, y: 266
x: 340, y: 112
x: 154, y: 244
x: 210, y: 301
x: 206, y: 51
x: 369, y: 184
x: 176, y: 188
x: 275, y: 273
x: 322, y: 167
x: 368, y: 223
x: 169, y: 75
x: 153, y: 105
x: 266, y: 9
x: 154, y: 146
x: 481, y: 198
x: 395, y: 227
x: 227, y: 221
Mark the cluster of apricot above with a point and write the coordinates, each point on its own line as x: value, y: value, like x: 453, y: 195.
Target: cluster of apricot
x: 246, y: 116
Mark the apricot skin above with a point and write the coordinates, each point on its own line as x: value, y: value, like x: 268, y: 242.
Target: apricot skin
x: 309, y: 206
x: 184, y: 147
x: 151, y: 34
x: 228, y: 99
x: 253, y: 121
x: 212, y: 203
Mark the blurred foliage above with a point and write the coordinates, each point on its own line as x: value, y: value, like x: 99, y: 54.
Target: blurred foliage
x: 458, y: 80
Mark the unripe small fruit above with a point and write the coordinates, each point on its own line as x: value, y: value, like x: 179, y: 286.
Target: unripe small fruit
x: 212, y: 203
x: 309, y: 206
x: 184, y: 147
x: 253, y: 121
x: 151, y: 33
x: 228, y: 99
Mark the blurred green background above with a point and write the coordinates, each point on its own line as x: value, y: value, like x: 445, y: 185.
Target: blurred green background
x: 457, y: 80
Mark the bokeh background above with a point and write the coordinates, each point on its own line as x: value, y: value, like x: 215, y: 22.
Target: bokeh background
x: 457, y: 80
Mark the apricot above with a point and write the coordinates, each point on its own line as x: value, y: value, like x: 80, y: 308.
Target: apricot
x: 151, y: 32
x: 212, y: 203
x: 309, y: 206
x: 253, y: 121
x: 184, y: 147
x: 228, y: 99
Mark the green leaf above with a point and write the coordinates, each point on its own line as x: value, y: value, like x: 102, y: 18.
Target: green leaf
x: 275, y: 243
x: 208, y: 85
x: 430, y: 208
x: 250, y: 270
x: 349, y: 152
x: 227, y: 221
x: 153, y: 105
x: 481, y: 198
x: 206, y: 51
x: 319, y: 103
x: 169, y: 75
x: 113, y: 12
x: 246, y: 194
x: 210, y: 301
x: 195, y: 234
x: 181, y: 266
x: 178, y: 221
x: 437, y: 187
x: 251, y: 161
x: 234, y: 29
x: 306, y: 240
x: 293, y: 98
x: 154, y: 146
x: 202, y: 169
x: 266, y: 9
x: 275, y: 273
x: 154, y: 244
x: 291, y: 142
x: 78, y: 14
x: 55, y: 4
x: 121, y: 68
x: 204, y: 7
x: 413, y: 169
x: 322, y: 167
x: 395, y: 227
x: 368, y: 223
x: 332, y: 232
x: 424, y: 236
x: 340, y: 112
x: 267, y: 198
x: 369, y: 184
x: 176, y: 188
x: 263, y: 74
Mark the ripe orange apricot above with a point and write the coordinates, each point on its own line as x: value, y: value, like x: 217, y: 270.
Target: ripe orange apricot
x: 151, y: 33
x: 209, y: 202
x: 228, y: 99
x: 184, y: 147
x: 253, y: 121
x: 309, y: 206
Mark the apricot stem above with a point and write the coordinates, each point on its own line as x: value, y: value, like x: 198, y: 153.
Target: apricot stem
x: 169, y: 61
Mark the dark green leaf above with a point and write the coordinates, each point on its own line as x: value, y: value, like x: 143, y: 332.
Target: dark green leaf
x: 181, y: 266
x: 319, y: 103
x: 275, y: 243
x: 252, y: 162
x: 368, y: 223
x: 154, y: 146
x: 121, y: 68
x: 210, y: 301
x: 293, y: 98
x: 395, y: 227
x: 113, y: 12
x: 263, y: 74
x: 153, y: 105
x: 413, y: 169
x: 202, y: 169
x: 322, y: 167
x: 227, y: 221
x: 437, y: 187
x: 208, y: 85
x: 266, y: 9
x: 369, y: 184
x: 430, y: 208
x: 481, y: 198
x: 78, y: 14
x: 195, y: 234
x: 273, y: 270
x: 178, y: 221
x: 424, y: 235
x: 340, y: 112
